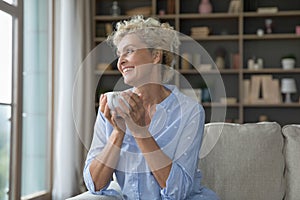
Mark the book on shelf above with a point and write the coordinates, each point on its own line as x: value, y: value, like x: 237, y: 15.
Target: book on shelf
x: 267, y: 10
x: 202, y: 31
x: 234, y: 6
x: 246, y: 90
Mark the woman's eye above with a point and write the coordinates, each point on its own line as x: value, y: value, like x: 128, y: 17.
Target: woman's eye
x: 129, y: 51
x: 125, y: 52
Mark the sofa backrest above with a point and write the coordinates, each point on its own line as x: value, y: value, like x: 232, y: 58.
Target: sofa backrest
x: 291, y: 134
x: 246, y: 162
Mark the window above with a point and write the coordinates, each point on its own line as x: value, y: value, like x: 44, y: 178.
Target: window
x: 35, y: 115
x: 6, y: 22
x: 25, y: 99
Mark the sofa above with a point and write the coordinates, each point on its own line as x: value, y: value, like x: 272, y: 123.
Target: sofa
x: 254, y: 161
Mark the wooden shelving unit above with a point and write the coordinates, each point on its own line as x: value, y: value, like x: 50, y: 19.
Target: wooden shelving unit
x: 236, y: 33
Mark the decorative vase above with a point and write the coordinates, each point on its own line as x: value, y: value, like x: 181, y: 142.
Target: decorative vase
x: 205, y: 7
x: 220, y: 62
x: 205, y: 95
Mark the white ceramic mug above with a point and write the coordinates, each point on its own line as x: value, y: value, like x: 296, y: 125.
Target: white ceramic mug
x: 113, y: 100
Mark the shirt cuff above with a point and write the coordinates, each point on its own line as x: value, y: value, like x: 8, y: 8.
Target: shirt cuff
x: 91, y: 186
x: 178, y: 183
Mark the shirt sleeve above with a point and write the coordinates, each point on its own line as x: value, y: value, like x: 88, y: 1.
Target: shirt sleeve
x: 180, y: 181
x: 101, y: 130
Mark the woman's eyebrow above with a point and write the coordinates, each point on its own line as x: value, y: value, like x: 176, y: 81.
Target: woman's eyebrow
x: 126, y: 46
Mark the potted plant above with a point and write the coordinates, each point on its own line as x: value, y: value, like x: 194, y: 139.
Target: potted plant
x: 288, y: 61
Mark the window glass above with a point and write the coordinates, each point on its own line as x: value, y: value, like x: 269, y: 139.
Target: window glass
x: 9, y: 1
x: 5, y: 126
x: 5, y: 58
x: 35, y: 155
x: 5, y: 100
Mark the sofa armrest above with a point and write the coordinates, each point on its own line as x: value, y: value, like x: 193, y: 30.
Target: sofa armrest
x: 89, y: 196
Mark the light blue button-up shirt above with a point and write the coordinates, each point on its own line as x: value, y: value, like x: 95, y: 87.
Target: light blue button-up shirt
x: 177, y: 126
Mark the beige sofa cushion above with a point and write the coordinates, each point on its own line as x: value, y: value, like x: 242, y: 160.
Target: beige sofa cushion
x: 89, y: 196
x: 246, y: 162
x: 292, y: 155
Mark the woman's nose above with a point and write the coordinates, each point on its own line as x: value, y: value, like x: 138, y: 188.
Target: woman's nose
x: 121, y: 61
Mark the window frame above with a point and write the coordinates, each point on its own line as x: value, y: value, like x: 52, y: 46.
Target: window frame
x: 16, y: 11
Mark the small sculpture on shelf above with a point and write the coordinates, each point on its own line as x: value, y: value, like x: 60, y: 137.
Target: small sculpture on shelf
x: 115, y: 9
x: 261, y: 89
x: 260, y: 32
x: 263, y: 118
x: 255, y: 64
x: 269, y: 26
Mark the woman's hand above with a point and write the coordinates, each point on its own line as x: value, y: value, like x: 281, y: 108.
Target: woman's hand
x: 136, y: 116
x: 117, y: 122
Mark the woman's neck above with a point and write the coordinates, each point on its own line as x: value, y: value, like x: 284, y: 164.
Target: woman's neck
x: 152, y: 94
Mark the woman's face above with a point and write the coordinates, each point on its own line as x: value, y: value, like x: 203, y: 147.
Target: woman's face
x: 136, y: 61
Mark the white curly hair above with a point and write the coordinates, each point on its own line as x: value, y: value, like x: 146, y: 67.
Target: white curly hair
x: 154, y: 34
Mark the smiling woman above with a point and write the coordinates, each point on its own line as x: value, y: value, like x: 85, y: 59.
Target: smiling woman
x: 150, y: 141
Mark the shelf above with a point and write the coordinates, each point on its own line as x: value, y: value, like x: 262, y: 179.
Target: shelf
x: 111, y: 18
x: 271, y: 71
x: 107, y: 72
x: 208, y: 16
x: 210, y: 37
x: 277, y: 14
x: 204, y: 104
x: 99, y: 39
x: 268, y: 105
x: 166, y: 16
x: 223, y: 71
x: 271, y: 36
x: 214, y: 37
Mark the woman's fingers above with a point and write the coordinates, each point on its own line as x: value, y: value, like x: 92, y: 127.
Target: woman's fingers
x: 118, y: 121
x: 102, y: 102
x: 107, y: 113
x: 104, y: 107
x: 123, y: 110
x: 132, y: 99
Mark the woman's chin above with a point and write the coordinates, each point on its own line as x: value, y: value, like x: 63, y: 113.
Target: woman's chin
x: 128, y: 81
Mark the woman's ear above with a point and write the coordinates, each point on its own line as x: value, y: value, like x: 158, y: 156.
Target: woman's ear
x: 157, y: 56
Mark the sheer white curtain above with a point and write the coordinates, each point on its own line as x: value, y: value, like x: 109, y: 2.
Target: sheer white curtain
x: 72, y: 44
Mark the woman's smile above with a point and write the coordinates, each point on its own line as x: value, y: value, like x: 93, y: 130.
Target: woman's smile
x: 127, y: 69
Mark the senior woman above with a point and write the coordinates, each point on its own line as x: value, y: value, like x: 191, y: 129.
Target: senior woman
x: 152, y: 139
